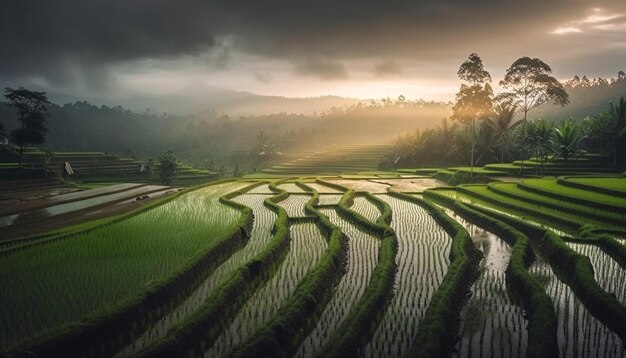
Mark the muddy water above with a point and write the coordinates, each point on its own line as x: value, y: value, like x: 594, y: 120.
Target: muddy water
x: 74, y: 206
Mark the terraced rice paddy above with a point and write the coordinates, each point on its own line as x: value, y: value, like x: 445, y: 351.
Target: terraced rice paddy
x: 261, y: 189
x: 291, y: 188
x: 323, y: 189
x: 59, y: 209
x: 307, y: 245
x: 411, y: 184
x: 279, y: 269
x: 294, y: 205
x: 579, y: 333
x: 45, y: 286
x: 259, y: 238
x: 362, y: 258
x: 329, y: 199
x: 366, y: 208
x: 422, y: 262
x: 361, y: 185
x: 611, y: 184
x: 609, y: 274
x: 491, y: 323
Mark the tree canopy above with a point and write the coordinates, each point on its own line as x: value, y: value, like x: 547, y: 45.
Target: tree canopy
x: 32, y: 111
x: 530, y: 82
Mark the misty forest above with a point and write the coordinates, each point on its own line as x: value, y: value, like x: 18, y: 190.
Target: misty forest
x: 299, y: 179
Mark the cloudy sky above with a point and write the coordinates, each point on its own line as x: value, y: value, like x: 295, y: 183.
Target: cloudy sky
x: 365, y: 48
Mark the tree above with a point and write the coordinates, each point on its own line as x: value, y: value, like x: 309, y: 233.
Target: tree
x: 473, y: 70
x: 531, y: 85
x: 539, y: 139
x: 503, y: 121
x: 169, y: 166
x: 32, y: 112
x: 486, y: 141
x: 567, y: 142
x: 619, y: 119
x: 474, y: 100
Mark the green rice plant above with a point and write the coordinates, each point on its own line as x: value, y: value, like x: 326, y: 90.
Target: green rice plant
x: 605, y: 185
x: 294, y: 204
x: 20, y: 243
x: 411, y: 184
x: 538, y: 306
x: 360, y: 185
x: 306, y: 248
x: 491, y: 324
x: 363, y: 251
x: 558, y: 218
x: 260, y: 236
x: 291, y: 188
x: 365, y: 208
x: 610, y: 244
x: 261, y: 189
x: 550, y: 187
x: 512, y: 191
x: 364, y: 317
x: 436, y: 332
x: 79, y: 269
x: 329, y: 199
x: 422, y: 261
x: 297, y: 318
x: 550, y: 219
x: 196, y: 333
x: 576, y: 271
x: 611, y: 277
x: 324, y: 189
x: 579, y: 333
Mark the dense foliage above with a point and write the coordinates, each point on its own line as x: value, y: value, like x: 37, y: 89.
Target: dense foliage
x: 501, y: 136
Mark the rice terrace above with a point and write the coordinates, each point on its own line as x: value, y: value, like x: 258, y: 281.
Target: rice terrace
x: 372, y: 188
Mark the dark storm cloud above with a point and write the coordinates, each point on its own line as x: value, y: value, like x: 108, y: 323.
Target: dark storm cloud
x: 322, y: 69
x: 64, y: 39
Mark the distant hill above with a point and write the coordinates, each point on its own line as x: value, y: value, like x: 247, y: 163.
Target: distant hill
x: 587, y: 98
x: 198, y: 97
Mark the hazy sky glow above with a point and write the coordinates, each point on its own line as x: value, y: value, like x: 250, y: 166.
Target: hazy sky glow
x: 364, y: 49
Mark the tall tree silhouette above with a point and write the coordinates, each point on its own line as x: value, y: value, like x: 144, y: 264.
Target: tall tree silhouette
x: 531, y: 84
x: 32, y: 111
x: 474, y: 99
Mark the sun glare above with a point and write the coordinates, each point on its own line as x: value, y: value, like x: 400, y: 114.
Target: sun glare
x: 566, y: 30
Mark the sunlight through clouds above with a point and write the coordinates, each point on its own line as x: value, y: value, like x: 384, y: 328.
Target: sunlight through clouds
x: 598, y: 20
x: 566, y: 30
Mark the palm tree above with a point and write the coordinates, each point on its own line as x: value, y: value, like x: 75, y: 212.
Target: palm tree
x: 486, y: 140
x: 263, y: 140
x: 567, y: 141
x: 539, y: 139
x: 619, y: 119
x: 503, y: 122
